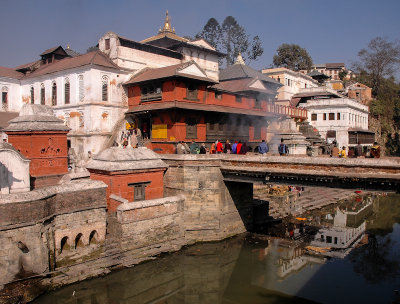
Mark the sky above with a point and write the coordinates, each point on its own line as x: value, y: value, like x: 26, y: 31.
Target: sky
x: 331, y: 31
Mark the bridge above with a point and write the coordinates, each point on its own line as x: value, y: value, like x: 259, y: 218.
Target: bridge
x: 350, y: 173
x: 219, y: 192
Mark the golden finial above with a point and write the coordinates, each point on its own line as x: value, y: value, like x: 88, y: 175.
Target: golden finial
x: 167, y: 25
x: 68, y: 46
x: 239, y: 59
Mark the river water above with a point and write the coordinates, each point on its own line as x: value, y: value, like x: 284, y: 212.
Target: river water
x: 364, y: 267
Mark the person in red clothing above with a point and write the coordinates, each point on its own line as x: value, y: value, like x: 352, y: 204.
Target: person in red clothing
x: 220, y: 147
x: 238, y: 147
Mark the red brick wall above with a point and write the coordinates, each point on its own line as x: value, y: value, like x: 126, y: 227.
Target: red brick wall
x: 47, y: 151
x: 118, y: 184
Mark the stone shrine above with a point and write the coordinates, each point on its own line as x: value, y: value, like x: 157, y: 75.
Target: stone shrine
x: 41, y: 137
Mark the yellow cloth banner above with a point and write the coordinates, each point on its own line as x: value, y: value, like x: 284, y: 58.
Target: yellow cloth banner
x: 159, y: 131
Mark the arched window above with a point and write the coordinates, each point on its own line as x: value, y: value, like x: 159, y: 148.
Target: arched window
x: 64, y: 244
x: 104, y: 88
x: 93, y: 237
x: 81, y: 88
x: 32, y: 95
x: 66, y: 91
x: 42, y: 94
x: 54, y: 94
x: 78, y: 241
x: 4, y: 98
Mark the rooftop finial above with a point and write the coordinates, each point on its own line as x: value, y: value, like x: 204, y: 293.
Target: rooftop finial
x: 239, y: 59
x: 167, y: 25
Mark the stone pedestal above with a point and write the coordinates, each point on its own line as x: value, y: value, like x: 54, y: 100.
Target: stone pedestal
x: 294, y: 139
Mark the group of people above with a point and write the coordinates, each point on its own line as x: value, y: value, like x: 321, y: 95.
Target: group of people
x: 374, y: 152
x: 131, y: 137
x: 218, y: 147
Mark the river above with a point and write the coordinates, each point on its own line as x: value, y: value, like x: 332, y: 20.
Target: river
x: 253, y: 268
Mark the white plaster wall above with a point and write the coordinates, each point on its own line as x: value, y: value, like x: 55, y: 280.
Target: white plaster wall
x: 14, y: 93
x: 352, y: 115
x: 14, y: 171
x: 208, y: 62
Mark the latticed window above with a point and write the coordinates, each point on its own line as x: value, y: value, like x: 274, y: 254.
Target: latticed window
x: 151, y: 92
x: 192, y: 91
x: 104, y: 88
x: 4, y: 98
x: 66, y: 91
x: 81, y: 88
x: 54, y: 94
x: 32, y: 95
x: 42, y: 94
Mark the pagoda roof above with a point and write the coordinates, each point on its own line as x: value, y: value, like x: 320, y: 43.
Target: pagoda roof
x: 240, y: 70
x: 188, y: 69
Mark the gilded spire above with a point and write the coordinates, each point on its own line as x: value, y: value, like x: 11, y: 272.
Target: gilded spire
x: 167, y: 25
x: 239, y: 59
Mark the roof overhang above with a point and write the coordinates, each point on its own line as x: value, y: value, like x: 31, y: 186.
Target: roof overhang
x: 144, y: 108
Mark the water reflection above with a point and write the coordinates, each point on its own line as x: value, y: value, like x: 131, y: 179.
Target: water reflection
x: 258, y: 269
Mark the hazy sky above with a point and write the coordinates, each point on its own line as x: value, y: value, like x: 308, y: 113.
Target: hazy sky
x: 331, y: 31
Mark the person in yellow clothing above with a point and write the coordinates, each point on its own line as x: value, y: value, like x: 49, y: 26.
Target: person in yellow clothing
x: 342, y: 153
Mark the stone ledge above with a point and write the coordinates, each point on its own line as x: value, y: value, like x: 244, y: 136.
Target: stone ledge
x: 126, y: 206
x: 43, y: 193
x: 304, y: 160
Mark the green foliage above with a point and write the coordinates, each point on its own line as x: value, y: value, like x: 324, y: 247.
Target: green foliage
x: 379, y: 60
x: 91, y: 49
x: 393, y: 144
x: 231, y: 38
x: 293, y: 57
x: 342, y: 74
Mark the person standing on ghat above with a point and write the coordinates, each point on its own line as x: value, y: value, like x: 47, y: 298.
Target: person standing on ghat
x: 228, y: 147
x: 238, y: 147
x: 234, y: 146
x: 220, y: 147
x: 263, y: 147
x: 342, y: 153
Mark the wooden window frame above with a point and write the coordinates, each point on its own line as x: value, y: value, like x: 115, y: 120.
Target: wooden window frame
x: 331, y: 116
x: 42, y: 94
x: 54, y: 93
x: 139, y: 190
x: 32, y: 95
x: 67, y: 91
x: 104, y: 89
x: 192, y: 91
x: 107, y: 43
x: 151, y: 92
x: 314, y: 117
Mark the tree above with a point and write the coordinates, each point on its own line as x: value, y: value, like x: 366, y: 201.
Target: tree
x: 378, y: 60
x: 293, y: 57
x: 231, y: 39
x: 211, y: 33
x: 91, y: 49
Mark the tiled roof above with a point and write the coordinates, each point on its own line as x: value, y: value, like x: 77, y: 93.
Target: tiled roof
x: 92, y: 58
x: 335, y: 65
x: 10, y: 73
x: 5, y: 117
x: 27, y: 65
x: 241, y: 85
x: 49, y: 51
x: 315, y: 73
x: 237, y: 71
x: 167, y: 72
x: 71, y: 52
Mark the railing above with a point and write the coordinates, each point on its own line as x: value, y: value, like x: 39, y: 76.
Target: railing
x: 286, y: 110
